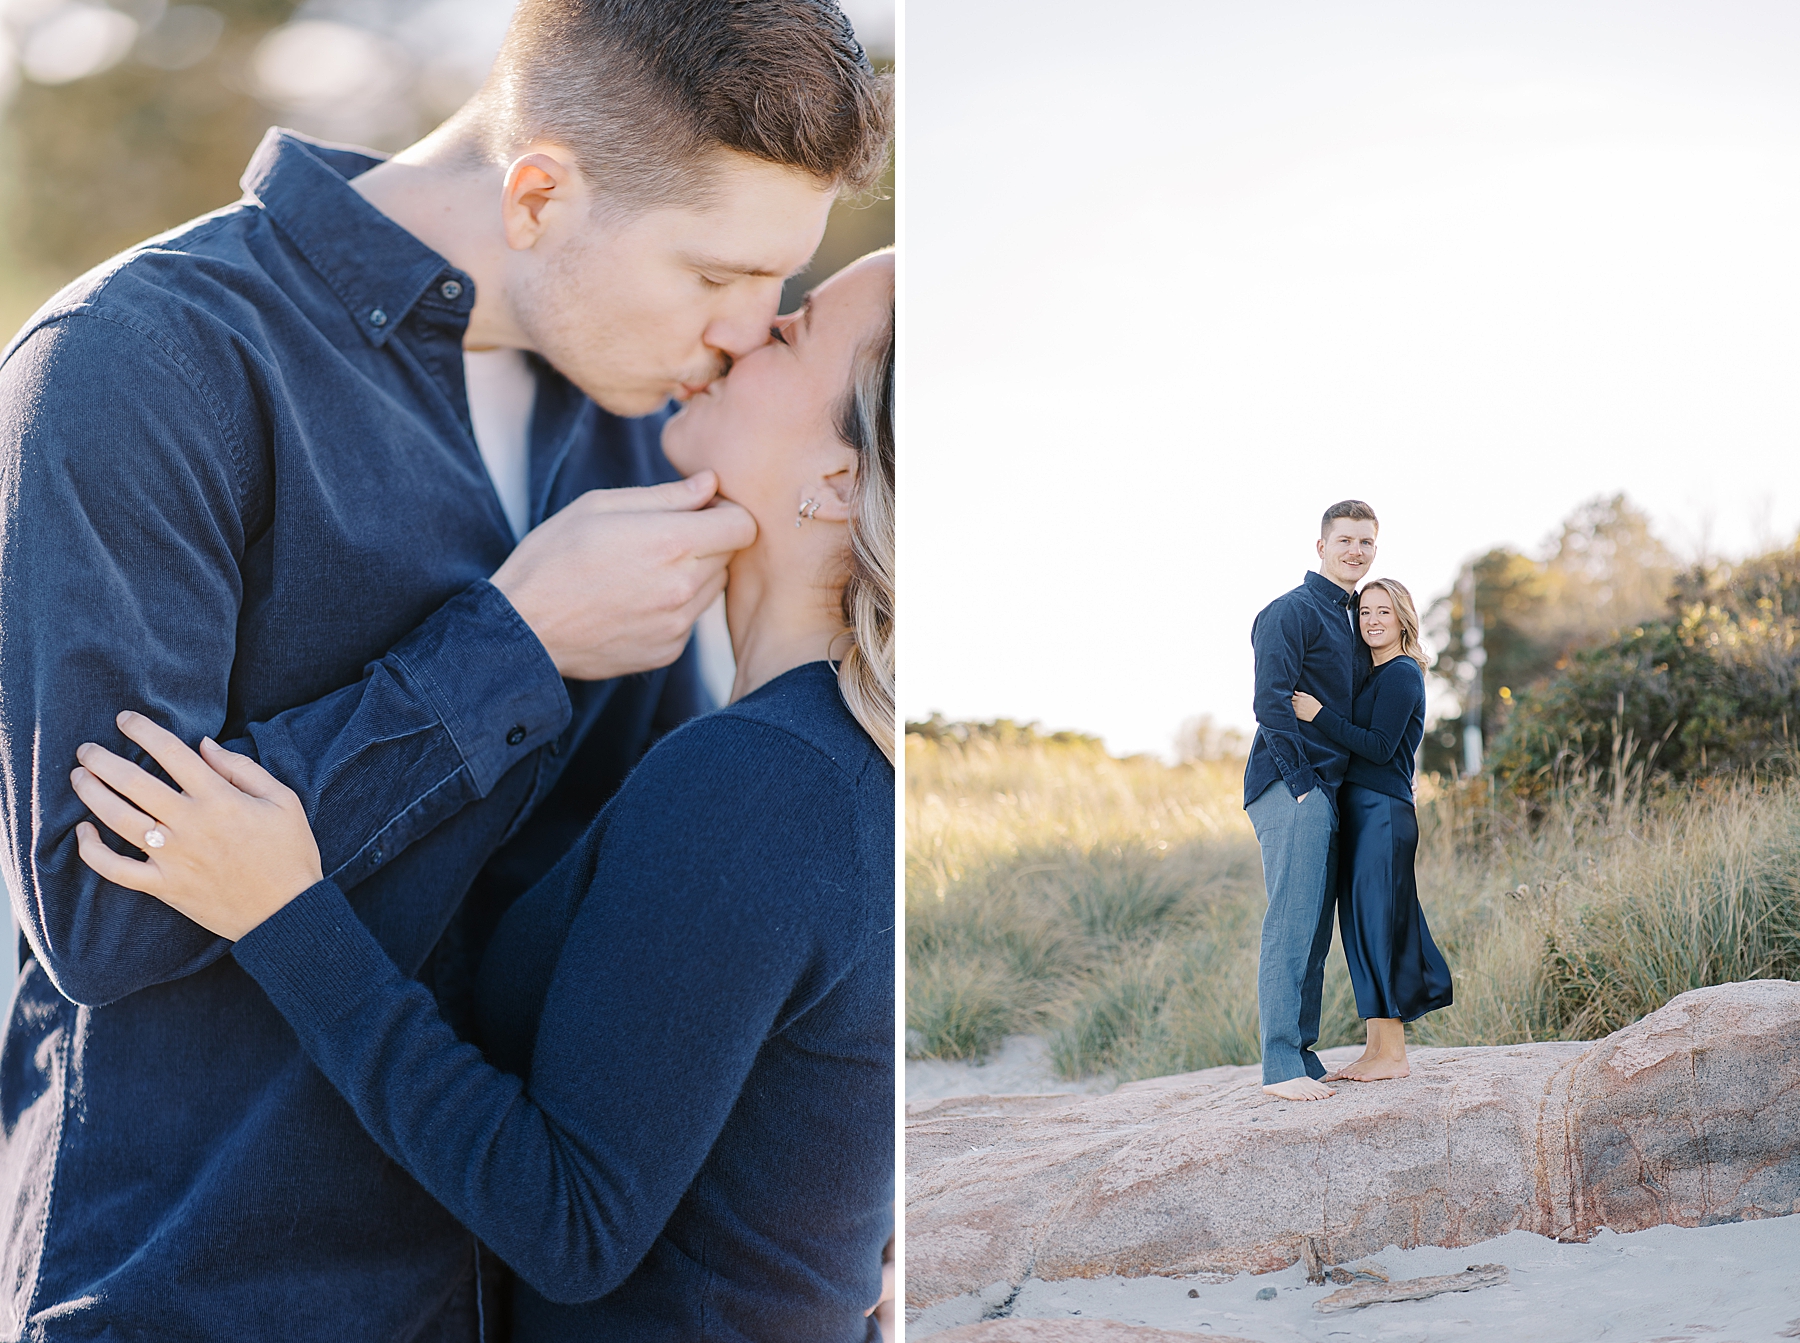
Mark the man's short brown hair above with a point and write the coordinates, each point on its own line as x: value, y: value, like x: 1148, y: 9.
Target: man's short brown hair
x: 643, y: 91
x: 1354, y: 509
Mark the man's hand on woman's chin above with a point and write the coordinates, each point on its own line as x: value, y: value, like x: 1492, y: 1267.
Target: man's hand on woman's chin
x: 614, y: 582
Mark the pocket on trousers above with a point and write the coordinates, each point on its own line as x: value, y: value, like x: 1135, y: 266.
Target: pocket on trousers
x: 1316, y: 796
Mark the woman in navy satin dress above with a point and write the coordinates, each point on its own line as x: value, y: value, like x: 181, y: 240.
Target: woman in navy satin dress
x: 1395, y: 968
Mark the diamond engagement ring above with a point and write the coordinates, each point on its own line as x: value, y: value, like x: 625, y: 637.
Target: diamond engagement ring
x: 154, y: 838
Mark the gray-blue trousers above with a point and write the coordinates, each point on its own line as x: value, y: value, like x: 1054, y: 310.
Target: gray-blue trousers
x: 1299, y: 853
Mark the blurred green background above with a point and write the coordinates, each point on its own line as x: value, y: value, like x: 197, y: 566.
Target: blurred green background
x: 121, y: 120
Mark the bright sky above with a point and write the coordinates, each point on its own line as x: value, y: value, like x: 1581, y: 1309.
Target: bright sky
x: 1177, y: 282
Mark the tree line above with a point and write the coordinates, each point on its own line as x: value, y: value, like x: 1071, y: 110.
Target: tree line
x: 1608, y: 661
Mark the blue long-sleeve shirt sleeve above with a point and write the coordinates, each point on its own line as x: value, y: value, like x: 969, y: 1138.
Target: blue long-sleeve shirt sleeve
x: 702, y: 926
x: 1279, y: 641
x: 123, y: 496
x: 1394, y: 701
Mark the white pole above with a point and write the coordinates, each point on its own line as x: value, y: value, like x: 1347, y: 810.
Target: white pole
x: 1475, y: 655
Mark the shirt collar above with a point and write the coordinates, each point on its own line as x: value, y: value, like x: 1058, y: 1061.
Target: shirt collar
x: 376, y: 268
x: 1324, y: 589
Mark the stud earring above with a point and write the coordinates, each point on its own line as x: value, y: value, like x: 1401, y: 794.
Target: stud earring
x: 807, y: 508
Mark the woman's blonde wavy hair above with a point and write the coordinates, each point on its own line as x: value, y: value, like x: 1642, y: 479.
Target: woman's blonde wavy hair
x: 866, y: 422
x: 1408, y: 615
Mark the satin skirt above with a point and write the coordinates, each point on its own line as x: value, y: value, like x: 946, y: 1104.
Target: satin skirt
x: 1395, y: 967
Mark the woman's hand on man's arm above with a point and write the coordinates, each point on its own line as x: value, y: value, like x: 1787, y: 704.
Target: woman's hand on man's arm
x: 235, y: 845
x: 1306, y: 708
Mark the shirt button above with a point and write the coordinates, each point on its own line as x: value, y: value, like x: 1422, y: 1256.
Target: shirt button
x: 451, y: 289
x: 516, y: 736
x: 375, y: 856
x: 378, y: 318
x: 556, y: 748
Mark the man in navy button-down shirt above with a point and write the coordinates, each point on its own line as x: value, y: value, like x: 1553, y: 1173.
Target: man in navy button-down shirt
x: 1307, y: 640
x: 239, y: 491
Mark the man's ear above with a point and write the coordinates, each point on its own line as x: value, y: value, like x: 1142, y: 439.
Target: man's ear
x: 1319, y: 546
x: 835, y: 492
x: 536, y: 185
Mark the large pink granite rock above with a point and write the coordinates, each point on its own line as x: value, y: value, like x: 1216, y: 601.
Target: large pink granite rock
x: 1691, y: 1116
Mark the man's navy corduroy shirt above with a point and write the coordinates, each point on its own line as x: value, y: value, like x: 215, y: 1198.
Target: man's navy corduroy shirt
x: 239, y: 491
x: 1305, y: 639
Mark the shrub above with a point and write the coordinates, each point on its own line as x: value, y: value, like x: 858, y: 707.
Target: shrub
x: 1713, y: 692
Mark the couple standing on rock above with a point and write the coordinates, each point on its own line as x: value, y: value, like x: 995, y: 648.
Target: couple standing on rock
x: 1340, y: 712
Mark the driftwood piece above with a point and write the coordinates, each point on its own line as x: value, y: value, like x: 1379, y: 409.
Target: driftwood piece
x: 1412, y: 1289
x: 1363, y: 1270
x: 1315, y: 1262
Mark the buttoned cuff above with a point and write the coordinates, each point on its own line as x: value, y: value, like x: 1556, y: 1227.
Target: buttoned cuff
x: 1300, y: 784
x: 490, y: 680
x: 313, y: 956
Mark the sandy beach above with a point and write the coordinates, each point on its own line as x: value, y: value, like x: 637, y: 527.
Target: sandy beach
x: 1020, y: 1067
x: 1721, y: 1284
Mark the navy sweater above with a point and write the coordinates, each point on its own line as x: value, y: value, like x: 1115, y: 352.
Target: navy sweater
x: 681, y: 1113
x: 1385, y: 727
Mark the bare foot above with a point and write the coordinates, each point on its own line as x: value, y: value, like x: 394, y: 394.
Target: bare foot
x: 1376, y: 1070
x: 1300, y: 1089
x: 1338, y: 1074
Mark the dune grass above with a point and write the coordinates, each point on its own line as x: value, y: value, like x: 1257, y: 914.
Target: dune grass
x: 1114, y: 906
